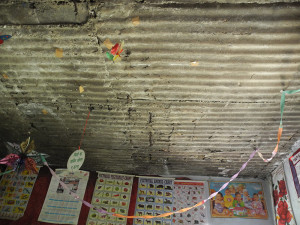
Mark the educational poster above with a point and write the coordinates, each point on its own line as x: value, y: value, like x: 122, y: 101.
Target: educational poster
x: 15, y: 191
x: 294, y: 162
x: 154, y: 197
x: 187, y: 194
x: 283, y: 210
x: 238, y: 200
x: 59, y: 206
x: 112, y: 193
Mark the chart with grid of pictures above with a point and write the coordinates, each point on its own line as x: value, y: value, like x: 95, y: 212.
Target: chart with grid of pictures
x: 187, y: 194
x: 112, y: 193
x: 15, y: 191
x: 59, y: 206
x: 154, y: 197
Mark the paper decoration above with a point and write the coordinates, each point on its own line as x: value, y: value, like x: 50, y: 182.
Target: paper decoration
x: 154, y: 197
x: 15, y: 191
x: 239, y: 200
x: 59, y: 52
x: 44, y: 111
x: 195, y: 63
x: 5, y: 76
x: 135, y: 21
x: 108, y: 44
x: 76, y: 160
x: 59, y: 206
x: 294, y: 162
x: 20, y: 158
x: 115, y: 52
x: 112, y: 193
x: 81, y: 89
x: 282, y: 204
x: 3, y: 38
x: 186, y: 194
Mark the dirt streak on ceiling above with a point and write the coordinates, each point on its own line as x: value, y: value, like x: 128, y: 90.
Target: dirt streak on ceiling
x: 154, y: 112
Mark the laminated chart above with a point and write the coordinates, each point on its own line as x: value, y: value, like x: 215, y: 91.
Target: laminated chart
x: 187, y: 194
x: 154, y: 197
x: 59, y: 206
x: 112, y: 193
x: 15, y: 191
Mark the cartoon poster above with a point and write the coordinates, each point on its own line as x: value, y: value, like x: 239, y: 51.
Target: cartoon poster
x: 238, y: 200
x: 59, y: 206
x: 15, y: 191
x: 154, y: 197
x: 112, y: 193
x: 294, y: 162
x: 283, y: 210
x: 187, y: 194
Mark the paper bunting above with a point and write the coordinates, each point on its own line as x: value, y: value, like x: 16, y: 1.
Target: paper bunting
x: 3, y: 38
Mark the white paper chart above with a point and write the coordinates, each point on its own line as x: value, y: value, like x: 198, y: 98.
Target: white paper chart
x: 59, y: 206
x: 15, y: 191
x: 112, y: 193
x: 187, y: 194
x: 154, y: 197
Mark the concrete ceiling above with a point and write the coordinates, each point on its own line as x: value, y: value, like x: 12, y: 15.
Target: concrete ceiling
x: 154, y: 112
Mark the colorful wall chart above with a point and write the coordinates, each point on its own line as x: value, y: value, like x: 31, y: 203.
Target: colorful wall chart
x: 239, y: 200
x: 154, y: 197
x: 15, y: 191
x: 282, y: 204
x: 294, y: 162
x: 112, y: 193
x: 186, y: 194
x: 59, y: 206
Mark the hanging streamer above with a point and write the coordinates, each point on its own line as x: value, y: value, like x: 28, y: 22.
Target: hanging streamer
x: 199, y: 203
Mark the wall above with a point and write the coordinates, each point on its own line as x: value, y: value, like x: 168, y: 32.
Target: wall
x: 237, y: 221
x: 295, y: 201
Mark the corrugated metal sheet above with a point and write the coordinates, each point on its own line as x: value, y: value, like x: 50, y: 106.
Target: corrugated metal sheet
x: 153, y: 112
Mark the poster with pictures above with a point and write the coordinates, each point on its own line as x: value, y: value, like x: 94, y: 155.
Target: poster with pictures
x: 112, y: 193
x: 294, y: 162
x: 59, y: 206
x: 15, y: 191
x: 154, y: 197
x: 238, y: 200
x: 283, y: 210
x: 187, y: 194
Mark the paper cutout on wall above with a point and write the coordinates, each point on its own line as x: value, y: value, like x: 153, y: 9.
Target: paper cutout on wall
x: 186, y: 194
x: 4, y: 37
x: 59, y: 52
x: 76, y: 160
x: 15, y: 191
x: 112, y: 193
x: 282, y: 204
x: 294, y: 162
x: 135, y: 21
x: 59, y: 206
x: 81, y: 89
x: 115, y: 53
x: 154, y: 197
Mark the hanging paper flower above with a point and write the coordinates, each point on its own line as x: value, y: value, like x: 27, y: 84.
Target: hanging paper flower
x: 115, y: 52
x: 282, y: 188
x: 22, y: 156
x: 284, y: 214
x: 275, y: 197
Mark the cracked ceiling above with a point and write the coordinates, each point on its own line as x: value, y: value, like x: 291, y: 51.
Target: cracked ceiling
x: 154, y: 112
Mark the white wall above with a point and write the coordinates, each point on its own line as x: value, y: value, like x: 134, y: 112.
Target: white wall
x: 267, y: 187
x: 295, y: 201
